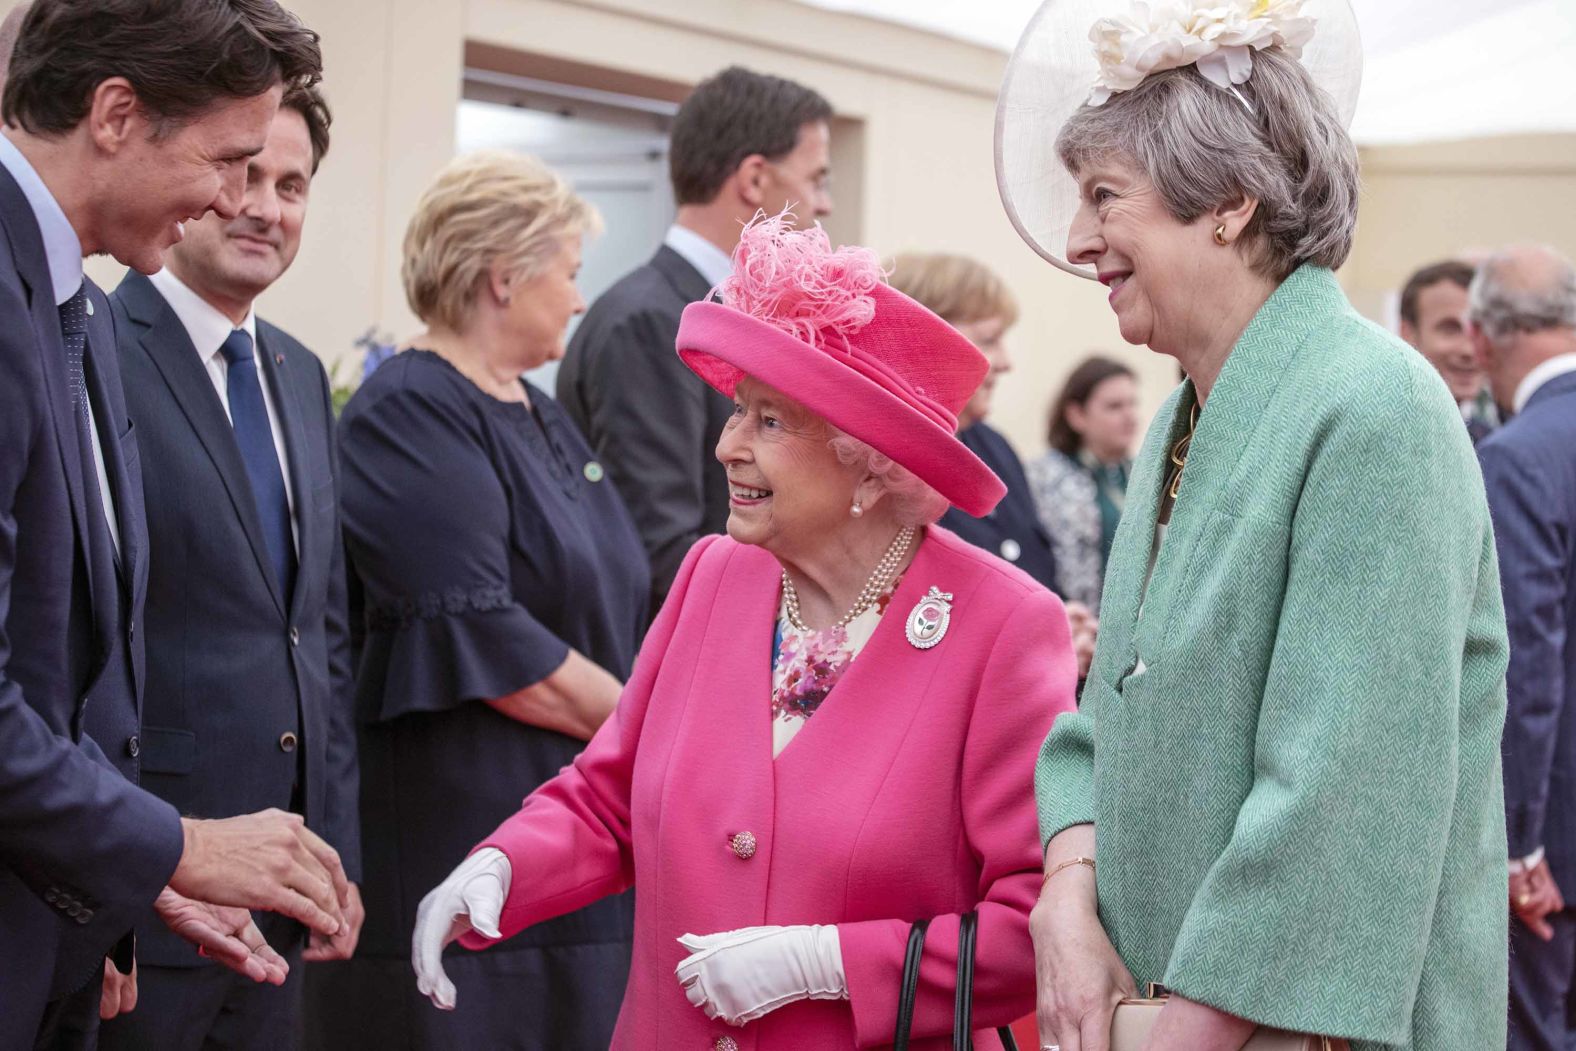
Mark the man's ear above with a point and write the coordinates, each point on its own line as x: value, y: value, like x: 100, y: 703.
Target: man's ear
x: 115, y: 115
x: 750, y: 179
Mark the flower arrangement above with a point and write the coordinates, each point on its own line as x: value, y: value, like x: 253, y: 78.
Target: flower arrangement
x: 376, y: 348
x: 1218, y: 36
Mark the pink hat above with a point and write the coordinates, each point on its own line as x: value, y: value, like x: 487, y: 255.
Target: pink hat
x: 824, y: 328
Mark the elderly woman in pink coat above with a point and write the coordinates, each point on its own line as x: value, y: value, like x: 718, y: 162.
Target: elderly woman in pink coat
x: 831, y: 728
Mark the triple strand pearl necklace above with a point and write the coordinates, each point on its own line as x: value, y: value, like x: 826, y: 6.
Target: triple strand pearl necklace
x: 885, y: 571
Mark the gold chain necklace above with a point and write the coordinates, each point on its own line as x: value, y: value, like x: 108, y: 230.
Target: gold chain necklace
x: 885, y: 570
x: 1179, y: 453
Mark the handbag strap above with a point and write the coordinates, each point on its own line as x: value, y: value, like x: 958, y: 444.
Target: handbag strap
x: 963, y: 998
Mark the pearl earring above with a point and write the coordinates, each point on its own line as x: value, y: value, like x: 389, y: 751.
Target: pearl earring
x: 857, y: 510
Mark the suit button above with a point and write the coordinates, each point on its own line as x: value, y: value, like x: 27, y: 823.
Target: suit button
x: 133, y: 746
x: 295, y: 635
x: 52, y: 896
x: 743, y: 844
x: 725, y: 1043
x: 131, y: 632
x: 287, y: 741
x: 84, y: 915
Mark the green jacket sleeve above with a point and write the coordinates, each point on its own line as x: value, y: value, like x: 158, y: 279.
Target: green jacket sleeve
x: 1064, y: 774
x: 1316, y: 916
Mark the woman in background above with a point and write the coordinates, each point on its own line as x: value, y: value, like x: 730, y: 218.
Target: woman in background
x: 1080, y: 483
x: 505, y: 592
x: 976, y: 302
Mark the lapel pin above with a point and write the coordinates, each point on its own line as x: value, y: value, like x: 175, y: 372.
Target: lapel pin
x: 928, y: 623
x: 279, y: 359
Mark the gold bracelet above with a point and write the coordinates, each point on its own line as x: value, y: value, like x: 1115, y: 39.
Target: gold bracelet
x: 1067, y: 865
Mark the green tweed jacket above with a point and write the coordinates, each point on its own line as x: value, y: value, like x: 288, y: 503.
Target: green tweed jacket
x: 1292, y: 757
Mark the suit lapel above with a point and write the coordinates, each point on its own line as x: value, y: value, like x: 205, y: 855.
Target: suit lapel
x: 679, y: 273
x: 167, y: 343
x: 27, y: 248
x: 277, y: 374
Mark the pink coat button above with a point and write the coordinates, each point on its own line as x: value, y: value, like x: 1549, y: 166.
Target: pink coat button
x: 743, y: 844
x: 725, y: 1043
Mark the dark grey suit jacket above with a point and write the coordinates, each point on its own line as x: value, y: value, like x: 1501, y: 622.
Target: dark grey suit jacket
x: 83, y: 851
x: 248, y: 696
x: 652, y: 423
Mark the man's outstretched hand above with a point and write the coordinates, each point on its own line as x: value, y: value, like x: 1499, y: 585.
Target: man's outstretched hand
x: 268, y: 860
x: 225, y: 934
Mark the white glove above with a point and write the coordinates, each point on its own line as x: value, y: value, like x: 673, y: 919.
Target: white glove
x: 739, y: 976
x: 471, y: 898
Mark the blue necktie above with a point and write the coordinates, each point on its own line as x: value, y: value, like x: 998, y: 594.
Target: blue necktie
x: 256, y: 441
x: 74, y: 331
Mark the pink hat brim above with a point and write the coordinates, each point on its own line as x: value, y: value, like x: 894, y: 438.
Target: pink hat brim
x: 722, y: 346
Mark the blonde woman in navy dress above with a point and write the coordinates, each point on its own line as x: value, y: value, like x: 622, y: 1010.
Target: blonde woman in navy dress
x: 505, y: 589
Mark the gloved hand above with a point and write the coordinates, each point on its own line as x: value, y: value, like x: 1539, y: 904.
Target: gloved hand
x: 739, y: 976
x: 471, y: 898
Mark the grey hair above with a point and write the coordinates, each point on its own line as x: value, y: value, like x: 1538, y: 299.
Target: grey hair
x: 914, y: 501
x: 1202, y: 148
x: 1508, y: 296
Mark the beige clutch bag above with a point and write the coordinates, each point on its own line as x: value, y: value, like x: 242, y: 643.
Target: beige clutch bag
x: 1135, y: 1017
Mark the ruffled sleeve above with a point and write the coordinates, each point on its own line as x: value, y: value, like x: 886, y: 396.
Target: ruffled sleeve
x: 427, y: 523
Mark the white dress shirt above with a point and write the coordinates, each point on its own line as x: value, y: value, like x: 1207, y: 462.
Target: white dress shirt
x: 63, y: 251
x: 1555, y: 366
x: 715, y: 265
x: 208, y: 329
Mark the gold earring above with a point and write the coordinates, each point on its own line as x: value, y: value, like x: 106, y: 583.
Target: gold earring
x: 1220, y: 235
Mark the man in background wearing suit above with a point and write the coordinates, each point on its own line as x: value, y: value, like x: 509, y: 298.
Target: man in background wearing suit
x: 1434, y: 322
x: 123, y: 118
x: 1523, y: 312
x: 248, y: 698
x: 742, y: 143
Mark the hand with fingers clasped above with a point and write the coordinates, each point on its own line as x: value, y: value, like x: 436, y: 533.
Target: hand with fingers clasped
x: 739, y: 976
x: 119, y: 993
x: 1078, y: 975
x: 1534, y: 896
x: 471, y: 898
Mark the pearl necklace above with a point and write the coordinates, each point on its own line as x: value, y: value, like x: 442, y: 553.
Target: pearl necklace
x: 885, y: 570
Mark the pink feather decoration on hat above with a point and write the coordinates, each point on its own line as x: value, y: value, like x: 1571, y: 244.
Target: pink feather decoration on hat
x: 794, y: 280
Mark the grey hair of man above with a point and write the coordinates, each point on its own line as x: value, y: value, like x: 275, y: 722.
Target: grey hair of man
x: 1202, y: 147
x: 1523, y: 289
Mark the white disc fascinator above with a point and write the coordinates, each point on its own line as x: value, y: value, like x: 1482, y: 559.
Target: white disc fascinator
x: 1086, y: 51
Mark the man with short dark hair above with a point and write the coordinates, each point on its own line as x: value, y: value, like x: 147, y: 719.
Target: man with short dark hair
x: 742, y: 143
x: 248, y: 694
x: 1434, y: 321
x: 1523, y: 314
x: 124, y: 118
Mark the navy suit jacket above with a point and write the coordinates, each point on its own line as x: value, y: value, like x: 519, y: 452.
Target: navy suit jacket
x: 652, y: 423
x: 1529, y: 465
x: 233, y: 666
x: 83, y: 851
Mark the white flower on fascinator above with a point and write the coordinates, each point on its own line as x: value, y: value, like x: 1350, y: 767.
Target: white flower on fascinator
x: 1219, y: 36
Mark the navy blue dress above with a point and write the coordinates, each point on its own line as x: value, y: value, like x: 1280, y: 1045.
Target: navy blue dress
x: 1012, y: 531
x: 487, y: 543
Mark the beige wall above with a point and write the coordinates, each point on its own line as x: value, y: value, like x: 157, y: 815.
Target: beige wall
x: 914, y: 172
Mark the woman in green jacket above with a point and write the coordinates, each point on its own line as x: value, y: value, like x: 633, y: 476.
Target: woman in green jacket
x: 1288, y: 748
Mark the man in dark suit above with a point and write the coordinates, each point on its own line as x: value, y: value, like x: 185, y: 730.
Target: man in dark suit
x: 120, y: 123
x: 742, y: 143
x: 248, y: 696
x: 1523, y: 312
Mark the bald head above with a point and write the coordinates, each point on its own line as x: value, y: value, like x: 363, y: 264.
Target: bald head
x: 1523, y: 311
x: 1524, y: 289
x: 9, y: 30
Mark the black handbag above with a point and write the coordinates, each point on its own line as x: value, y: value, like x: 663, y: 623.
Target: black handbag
x: 963, y: 1001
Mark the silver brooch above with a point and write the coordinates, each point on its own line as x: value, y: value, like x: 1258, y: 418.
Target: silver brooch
x: 927, y: 624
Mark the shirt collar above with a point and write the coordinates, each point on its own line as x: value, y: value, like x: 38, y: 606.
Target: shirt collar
x: 62, y: 247
x: 1558, y: 365
x: 713, y: 263
x: 207, y: 327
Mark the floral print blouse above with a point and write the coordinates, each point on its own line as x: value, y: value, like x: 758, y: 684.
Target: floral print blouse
x: 806, y: 665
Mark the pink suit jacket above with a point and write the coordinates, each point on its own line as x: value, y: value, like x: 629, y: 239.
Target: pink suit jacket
x: 909, y: 794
